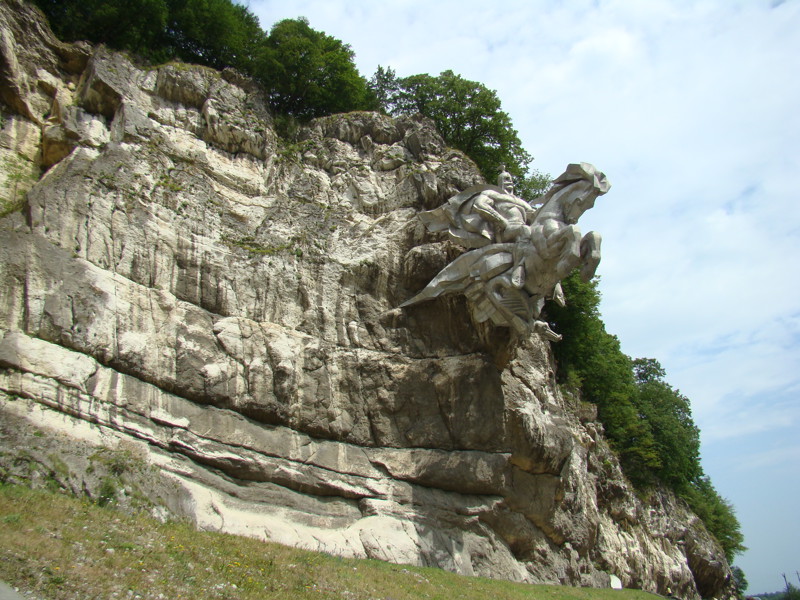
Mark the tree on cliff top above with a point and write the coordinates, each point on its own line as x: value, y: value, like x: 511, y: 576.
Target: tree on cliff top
x: 310, y: 74
x: 216, y: 33
x: 135, y: 25
x: 470, y: 118
x: 306, y: 73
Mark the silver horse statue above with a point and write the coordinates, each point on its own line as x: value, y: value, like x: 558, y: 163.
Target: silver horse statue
x: 518, y: 254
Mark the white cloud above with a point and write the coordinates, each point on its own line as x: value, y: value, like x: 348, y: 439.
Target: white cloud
x: 772, y: 457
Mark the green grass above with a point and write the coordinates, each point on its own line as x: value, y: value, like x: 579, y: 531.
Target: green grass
x: 58, y: 546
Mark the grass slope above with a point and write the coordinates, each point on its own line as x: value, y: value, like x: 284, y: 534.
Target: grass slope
x: 59, y: 546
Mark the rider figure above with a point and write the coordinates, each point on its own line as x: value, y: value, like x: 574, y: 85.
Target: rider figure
x: 508, y: 214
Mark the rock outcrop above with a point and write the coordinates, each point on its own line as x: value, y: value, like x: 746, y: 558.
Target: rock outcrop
x: 177, y: 280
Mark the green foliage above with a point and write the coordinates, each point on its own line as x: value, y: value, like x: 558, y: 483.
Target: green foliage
x: 384, y: 86
x: 669, y: 415
x: 107, y: 492
x: 168, y: 182
x: 310, y: 74
x: 306, y: 72
x: 19, y: 175
x: 216, y: 33
x: 469, y: 116
x: 717, y: 514
x: 676, y: 437
x: 135, y: 25
x: 739, y: 580
x: 531, y: 184
x: 792, y: 592
x: 648, y: 423
x: 647, y: 370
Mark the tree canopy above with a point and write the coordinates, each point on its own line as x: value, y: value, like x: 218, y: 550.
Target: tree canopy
x: 310, y: 74
x: 216, y: 33
x: 669, y: 415
x: 305, y: 72
x: 470, y: 118
x: 135, y: 25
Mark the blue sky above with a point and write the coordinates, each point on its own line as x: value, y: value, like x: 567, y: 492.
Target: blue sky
x: 692, y: 109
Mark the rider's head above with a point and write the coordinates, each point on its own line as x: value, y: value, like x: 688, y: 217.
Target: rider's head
x: 504, y: 181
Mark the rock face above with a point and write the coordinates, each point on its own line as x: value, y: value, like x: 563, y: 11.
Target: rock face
x: 182, y: 282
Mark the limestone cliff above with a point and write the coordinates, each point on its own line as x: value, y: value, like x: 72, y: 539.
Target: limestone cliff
x: 178, y: 280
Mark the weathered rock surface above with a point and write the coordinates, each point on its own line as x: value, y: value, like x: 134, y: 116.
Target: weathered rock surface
x: 182, y: 282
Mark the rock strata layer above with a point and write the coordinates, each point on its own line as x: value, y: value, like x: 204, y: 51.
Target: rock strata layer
x: 177, y: 280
